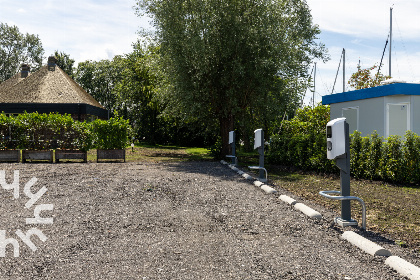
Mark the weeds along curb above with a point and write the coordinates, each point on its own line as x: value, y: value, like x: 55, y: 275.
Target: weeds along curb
x: 398, y: 264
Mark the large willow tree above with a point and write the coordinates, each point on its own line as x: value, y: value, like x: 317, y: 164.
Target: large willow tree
x: 224, y: 56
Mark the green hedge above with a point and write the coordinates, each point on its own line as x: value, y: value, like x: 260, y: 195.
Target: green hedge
x: 34, y: 131
x: 395, y: 159
x: 112, y: 134
x: 302, y: 143
x: 307, y: 152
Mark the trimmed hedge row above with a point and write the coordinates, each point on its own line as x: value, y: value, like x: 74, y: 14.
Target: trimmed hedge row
x: 307, y: 152
x: 302, y: 144
x: 34, y: 131
x: 397, y: 159
x: 393, y: 159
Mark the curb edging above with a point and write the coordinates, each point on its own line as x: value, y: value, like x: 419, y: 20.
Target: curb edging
x: 365, y: 244
x: 403, y: 267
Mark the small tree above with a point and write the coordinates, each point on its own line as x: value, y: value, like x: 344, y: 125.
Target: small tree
x: 364, y: 78
x: 17, y: 48
x: 65, y: 62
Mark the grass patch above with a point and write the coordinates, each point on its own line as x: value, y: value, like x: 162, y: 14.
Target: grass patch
x: 160, y: 153
x: 199, y: 154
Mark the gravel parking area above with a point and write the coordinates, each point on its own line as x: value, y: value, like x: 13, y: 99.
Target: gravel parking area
x: 191, y: 220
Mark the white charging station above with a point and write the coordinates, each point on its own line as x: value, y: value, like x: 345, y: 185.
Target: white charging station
x: 338, y: 148
x: 258, y: 138
x: 231, y: 137
x: 336, y: 142
x: 233, y: 150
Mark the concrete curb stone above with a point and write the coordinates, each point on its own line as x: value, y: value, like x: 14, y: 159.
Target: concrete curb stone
x: 400, y: 265
x: 308, y: 211
x: 403, y: 267
x: 365, y: 244
x: 268, y: 189
x: 287, y: 199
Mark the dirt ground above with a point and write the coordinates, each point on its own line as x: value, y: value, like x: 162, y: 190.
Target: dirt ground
x: 188, y: 220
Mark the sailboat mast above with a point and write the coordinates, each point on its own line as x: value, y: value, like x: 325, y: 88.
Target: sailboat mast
x: 344, y: 70
x: 313, y: 94
x: 390, y: 39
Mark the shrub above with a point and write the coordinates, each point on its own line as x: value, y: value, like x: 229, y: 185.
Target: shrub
x: 112, y: 134
x: 44, y: 132
x: 301, y: 142
x: 411, y: 154
x: 393, y: 163
x: 374, y: 156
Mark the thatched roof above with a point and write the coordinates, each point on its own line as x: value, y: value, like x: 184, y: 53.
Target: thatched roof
x: 47, y: 87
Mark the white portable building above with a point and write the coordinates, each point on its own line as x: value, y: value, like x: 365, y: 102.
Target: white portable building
x: 390, y: 109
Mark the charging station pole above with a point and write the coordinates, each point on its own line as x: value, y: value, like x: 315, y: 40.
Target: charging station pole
x: 261, y: 161
x: 344, y: 164
x: 232, y: 144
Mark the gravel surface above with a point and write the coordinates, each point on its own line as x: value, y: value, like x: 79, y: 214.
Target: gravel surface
x: 194, y: 220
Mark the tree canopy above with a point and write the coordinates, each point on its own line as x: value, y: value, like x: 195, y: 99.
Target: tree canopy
x: 99, y: 78
x: 365, y: 78
x: 17, y: 48
x: 65, y: 62
x: 224, y: 58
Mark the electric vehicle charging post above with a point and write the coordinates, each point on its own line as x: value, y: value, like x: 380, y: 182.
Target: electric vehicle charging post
x: 259, y: 144
x: 232, y: 144
x: 338, y: 148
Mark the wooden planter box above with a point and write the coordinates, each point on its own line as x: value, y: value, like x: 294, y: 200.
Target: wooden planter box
x: 10, y: 155
x: 37, y: 155
x: 70, y: 154
x: 110, y: 154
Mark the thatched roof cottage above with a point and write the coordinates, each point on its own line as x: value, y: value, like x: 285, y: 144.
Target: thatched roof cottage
x: 48, y: 90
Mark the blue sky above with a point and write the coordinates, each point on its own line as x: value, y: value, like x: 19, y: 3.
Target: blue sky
x: 362, y: 27
x: 100, y: 29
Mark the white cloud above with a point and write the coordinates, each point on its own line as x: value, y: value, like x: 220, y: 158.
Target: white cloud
x: 367, y: 19
x: 84, y: 29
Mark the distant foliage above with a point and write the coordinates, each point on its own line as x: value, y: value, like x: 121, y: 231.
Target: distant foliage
x: 366, y: 78
x: 17, y: 48
x: 65, y: 62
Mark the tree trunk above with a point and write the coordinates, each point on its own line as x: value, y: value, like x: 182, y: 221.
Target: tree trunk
x: 226, y: 125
